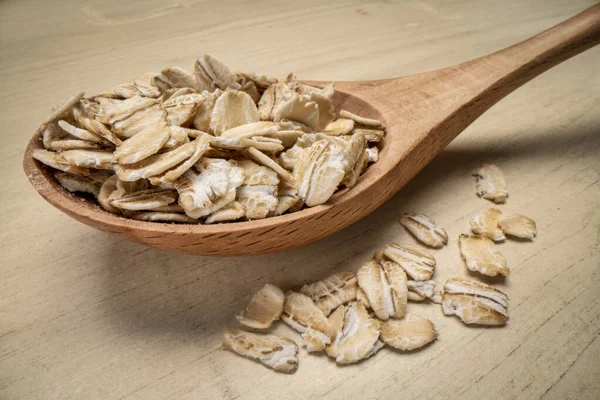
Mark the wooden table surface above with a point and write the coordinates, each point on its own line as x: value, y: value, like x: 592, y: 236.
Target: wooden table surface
x: 85, y: 315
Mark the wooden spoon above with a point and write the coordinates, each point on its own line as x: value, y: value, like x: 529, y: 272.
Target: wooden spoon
x: 423, y: 114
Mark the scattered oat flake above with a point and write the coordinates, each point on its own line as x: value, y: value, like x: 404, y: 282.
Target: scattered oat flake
x: 425, y: 230
x: 328, y: 294
x: 486, y: 224
x: 518, y: 225
x: 482, y: 255
x: 384, y: 284
x: 491, y: 184
x: 421, y: 290
x: 304, y: 316
x: 417, y: 263
x: 474, y: 302
x: 357, y: 338
x: 275, y: 352
x: 410, y: 333
x: 264, y: 308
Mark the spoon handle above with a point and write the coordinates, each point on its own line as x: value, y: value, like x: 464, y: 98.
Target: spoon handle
x: 432, y: 108
x: 514, y: 66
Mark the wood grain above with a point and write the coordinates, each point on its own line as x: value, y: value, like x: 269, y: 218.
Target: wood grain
x: 86, y: 315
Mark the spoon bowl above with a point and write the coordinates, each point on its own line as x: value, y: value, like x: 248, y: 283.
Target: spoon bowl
x: 423, y: 114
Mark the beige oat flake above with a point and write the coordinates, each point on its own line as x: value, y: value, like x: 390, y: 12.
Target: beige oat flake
x: 258, y: 193
x: 157, y: 216
x: 264, y: 308
x: 56, y: 161
x: 212, y: 74
x: 231, y: 212
x: 482, y: 255
x: 78, y: 183
x: 210, y: 186
x: 491, y: 184
x: 142, y: 145
x: 231, y: 110
x: 319, y: 172
x: 416, y: 262
x: 340, y: 127
x: 328, y: 294
x: 425, y: 230
x: 486, y: 224
x: 421, y: 290
x: 106, y: 190
x: 145, y: 199
x: 304, y: 316
x: 384, y: 284
x: 357, y: 338
x: 63, y: 108
x: 275, y: 352
x: 410, y: 333
x: 474, y: 302
x: 518, y: 225
x: 362, y: 120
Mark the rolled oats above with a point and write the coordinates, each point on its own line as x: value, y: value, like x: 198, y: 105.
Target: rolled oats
x: 362, y: 120
x: 357, y: 338
x: 211, y: 188
x: 518, y: 225
x: 304, y: 316
x: 425, y: 230
x: 491, y: 184
x: 337, y: 289
x: 78, y: 183
x: 142, y: 145
x: 417, y: 263
x: 486, y: 224
x: 384, y: 284
x: 157, y: 216
x: 482, y: 255
x: 231, y: 212
x: 264, y: 308
x: 275, y: 352
x: 410, y: 333
x: 474, y: 302
x: 181, y: 133
x: 145, y: 199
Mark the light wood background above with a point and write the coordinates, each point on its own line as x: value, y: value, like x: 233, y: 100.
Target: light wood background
x: 84, y: 315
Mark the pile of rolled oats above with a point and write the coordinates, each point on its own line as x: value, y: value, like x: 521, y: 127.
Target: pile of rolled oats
x: 351, y: 316
x: 213, y: 146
